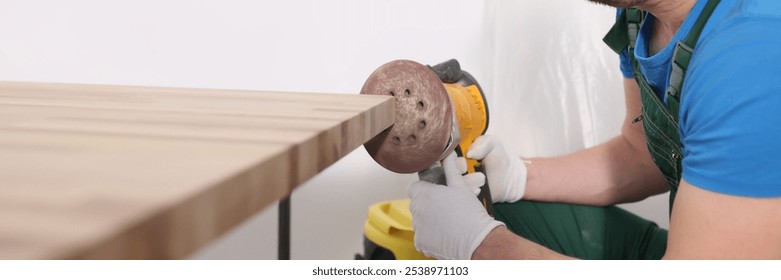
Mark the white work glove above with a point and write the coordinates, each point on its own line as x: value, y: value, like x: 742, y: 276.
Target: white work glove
x: 506, y: 175
x: 449, y: 221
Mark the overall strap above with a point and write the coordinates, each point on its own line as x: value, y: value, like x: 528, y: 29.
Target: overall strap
x: 624, y: 32
x: 660, y: 116
x: 623, y: 36
x: 634, y: 18
x: 682, y: 56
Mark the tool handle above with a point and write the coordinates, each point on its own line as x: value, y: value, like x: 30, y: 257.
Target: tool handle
x: 449, y: 71
x: 436, y: 175
x: 485, y: 192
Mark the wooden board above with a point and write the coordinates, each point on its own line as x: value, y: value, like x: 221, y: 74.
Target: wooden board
x: 117, y: 172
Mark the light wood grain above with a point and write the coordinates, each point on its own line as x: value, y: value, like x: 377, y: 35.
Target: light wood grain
x: 116, y: 172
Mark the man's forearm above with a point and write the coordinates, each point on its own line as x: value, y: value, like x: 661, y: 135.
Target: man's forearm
x: 503, y: 244
x: 619, y: 170
x: 613, y: 172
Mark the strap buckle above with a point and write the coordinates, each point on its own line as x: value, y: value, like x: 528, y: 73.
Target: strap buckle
x: 680, y: 63
x: 634, y: 30
x: 634, y: 18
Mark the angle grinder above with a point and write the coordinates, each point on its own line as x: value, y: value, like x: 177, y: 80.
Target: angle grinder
x: 439, y: 109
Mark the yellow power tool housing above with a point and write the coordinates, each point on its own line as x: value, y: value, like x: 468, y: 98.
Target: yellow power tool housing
x: 440, y: 109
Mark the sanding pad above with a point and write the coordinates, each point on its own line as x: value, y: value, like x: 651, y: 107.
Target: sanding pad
x: 424, y: 117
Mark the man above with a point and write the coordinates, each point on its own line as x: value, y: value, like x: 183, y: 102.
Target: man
x: 704, y: 125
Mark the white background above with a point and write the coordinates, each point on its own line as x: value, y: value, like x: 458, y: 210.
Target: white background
x: 553, y: 87
x: 306, y: 269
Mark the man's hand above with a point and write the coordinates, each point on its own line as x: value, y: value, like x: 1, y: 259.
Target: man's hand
x: 449, y: 221
x: 506, y: 175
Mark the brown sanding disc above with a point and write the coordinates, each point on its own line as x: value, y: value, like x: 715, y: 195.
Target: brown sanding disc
x: 424, y: 117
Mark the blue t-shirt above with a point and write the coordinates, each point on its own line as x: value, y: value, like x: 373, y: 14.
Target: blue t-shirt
x: 730, y: 114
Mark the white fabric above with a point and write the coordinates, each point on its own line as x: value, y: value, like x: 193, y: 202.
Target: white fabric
x: 506, y: 175
x: 553, y: 87
x: 449, y: 221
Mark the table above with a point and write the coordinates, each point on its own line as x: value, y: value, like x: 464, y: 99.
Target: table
x: 120, y: 172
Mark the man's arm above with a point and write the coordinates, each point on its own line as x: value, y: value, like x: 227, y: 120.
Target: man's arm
x: 502, y: 244
x: 709, y: 225
x: 704, y: 225
x: 620, y: 170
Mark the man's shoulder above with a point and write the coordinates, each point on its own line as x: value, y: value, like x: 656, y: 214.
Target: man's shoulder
x: 728, y: 123
x: 758, y: 8
x: 738, y: 51
x: 740, y: 45
x: 746, y: 11
x: 741, y: 30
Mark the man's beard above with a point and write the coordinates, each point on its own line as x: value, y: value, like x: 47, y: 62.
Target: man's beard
x: 619, y: 3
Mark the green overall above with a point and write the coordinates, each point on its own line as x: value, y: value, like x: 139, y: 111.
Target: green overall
x: 590, y: 232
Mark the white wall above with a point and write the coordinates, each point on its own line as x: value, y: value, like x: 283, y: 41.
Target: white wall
x: 552, y: 86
